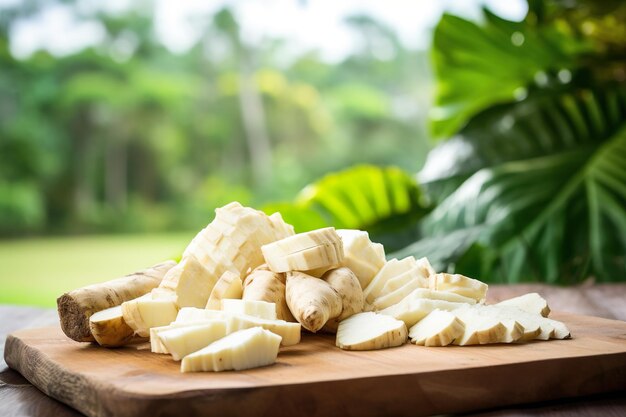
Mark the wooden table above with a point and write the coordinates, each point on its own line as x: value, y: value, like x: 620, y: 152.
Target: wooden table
x: 19, y: 398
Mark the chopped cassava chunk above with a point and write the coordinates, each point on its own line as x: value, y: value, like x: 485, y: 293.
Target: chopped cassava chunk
x: 185, y: 340
x: 531, y: 302
x: 244, y: 349
x: 369, y: 331
x: 439, y: 328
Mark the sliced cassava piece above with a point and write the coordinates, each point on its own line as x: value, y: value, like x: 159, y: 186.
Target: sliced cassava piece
x: 391, y: 269
x: 531, y: 302
x: 254, y: 308
x: 347, y: 285
x: 289, y: 332
x: 362, y: 256
x: 413, y: 310
x: 229, y: 286
x: 535, y: 325
x: 530, y: 322
x: 401, y: 286
x: 459, y: 284
x: 143, y: 313
x: 190, y: 283
x: 369, y: 331
x: 193, y: 314
x: 312, y: 300
x: 109, y: 328
x: 265, y: 285
x: 305, y: 251
x: 182, y: 341
x: 483, y: 329
x: 560, y: 329
x: 76, y: 307
x: 244, y: 349
x: 156, y: 346
x: 420, y: 273
x: 438, y: 328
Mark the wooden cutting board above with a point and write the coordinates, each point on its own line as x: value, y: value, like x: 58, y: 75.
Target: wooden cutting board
x: 315, y: 378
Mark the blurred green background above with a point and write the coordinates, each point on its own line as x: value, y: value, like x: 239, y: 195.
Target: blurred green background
x: 491, y: 140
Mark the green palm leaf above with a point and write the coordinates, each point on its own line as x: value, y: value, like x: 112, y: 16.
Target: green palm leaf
x: 554, y: 217
x: 385, y: 201
x: 479, y: 66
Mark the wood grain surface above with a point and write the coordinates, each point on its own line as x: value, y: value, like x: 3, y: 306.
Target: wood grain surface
x: 315, y: 378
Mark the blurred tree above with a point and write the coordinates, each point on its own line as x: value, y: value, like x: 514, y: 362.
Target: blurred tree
x: 251, y: 104
x: 127, y: 135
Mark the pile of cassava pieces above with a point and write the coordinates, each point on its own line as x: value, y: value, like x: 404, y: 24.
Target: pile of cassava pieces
x: 246, y: 284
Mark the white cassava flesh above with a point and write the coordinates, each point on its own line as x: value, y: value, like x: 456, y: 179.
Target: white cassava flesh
x: 459, y: 284
x: 560, y: 329
x: 438, y: 295
x: 290, y: 332
x: 391, y: 269
x: 193, y: 314
x: 531, y: 302
x: 305, y: 251
x: 394, y: 297
x: 143, y: 313
x: 189, y: 282
x: 232, y: 241
x: 542, y: 328
x: 413, y: 310
x: 182, y: 341
x: 229, y: 286
x: 420, y: 272
x: 254, y: 308
x: 439, y: 328
x: 369, y: 331
x: 395, y: 289
x: 531, y: 323
x: 245, y: 349
x: 483, y: 329
x: 109, y: 328
x: 362, y: 256
x: 156, y: 346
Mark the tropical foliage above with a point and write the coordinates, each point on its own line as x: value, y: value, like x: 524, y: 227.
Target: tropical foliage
x: 531, y: 183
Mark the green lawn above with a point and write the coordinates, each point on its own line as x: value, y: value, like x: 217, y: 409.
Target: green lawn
x: 36, y: 271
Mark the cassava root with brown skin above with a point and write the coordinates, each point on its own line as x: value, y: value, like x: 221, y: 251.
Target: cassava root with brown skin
x: 264, y: 285
x: 348, y: 286
x: 75, y: 307
x: 322, y: 302
x: 311, y: 300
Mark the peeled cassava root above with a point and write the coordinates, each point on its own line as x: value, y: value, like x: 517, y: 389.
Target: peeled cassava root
x: 347, y: 285
x: 265, y: 285
x: 76, y: 307
x: 311, y: 300
x: 316, y: 302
